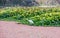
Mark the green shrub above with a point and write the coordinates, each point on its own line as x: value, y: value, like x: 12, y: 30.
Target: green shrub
x: 40, y: 16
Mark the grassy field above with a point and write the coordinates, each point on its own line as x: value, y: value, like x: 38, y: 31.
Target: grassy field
x: 39, y: 16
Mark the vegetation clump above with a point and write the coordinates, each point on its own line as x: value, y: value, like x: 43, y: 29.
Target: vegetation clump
x: 40, y: 16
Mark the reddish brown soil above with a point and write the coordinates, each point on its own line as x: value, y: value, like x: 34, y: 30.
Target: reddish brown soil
x: 14, y: 30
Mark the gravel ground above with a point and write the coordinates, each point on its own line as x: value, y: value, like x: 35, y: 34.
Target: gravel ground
x: 14, y: 30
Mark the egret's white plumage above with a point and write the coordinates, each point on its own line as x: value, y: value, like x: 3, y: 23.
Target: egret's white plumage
x: 30, y: 21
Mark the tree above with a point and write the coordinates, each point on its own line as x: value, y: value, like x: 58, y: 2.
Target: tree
x: 19, y: 2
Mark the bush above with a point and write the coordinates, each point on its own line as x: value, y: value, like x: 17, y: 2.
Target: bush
x: 40, y: 16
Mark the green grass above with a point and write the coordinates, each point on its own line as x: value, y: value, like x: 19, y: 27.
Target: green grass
x: 40, y: 16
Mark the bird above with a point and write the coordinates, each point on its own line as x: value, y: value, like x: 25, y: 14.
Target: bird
x: 31, y: 22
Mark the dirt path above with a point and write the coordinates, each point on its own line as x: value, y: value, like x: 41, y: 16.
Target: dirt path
x: 13, y: 30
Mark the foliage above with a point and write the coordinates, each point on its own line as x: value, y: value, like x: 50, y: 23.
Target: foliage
x: 40, y: 16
